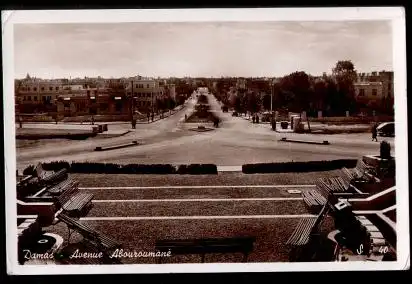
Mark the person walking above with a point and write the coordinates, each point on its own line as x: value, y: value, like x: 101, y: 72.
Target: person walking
x: 253, y: 119
x: 133, y: 123
x: 375, y: 133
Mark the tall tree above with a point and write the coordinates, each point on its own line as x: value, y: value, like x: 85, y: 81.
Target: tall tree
x: 345, y: 74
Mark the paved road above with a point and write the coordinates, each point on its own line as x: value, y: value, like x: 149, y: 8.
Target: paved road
x: 235, y: 142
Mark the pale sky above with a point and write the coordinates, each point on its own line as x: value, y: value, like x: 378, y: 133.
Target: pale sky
x: 249, y: 49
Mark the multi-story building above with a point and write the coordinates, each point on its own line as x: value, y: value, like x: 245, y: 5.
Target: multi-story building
x: 375, y: 88
x: 145, y: 92
x: 34, y: 94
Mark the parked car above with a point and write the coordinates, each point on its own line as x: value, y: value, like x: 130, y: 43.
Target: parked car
x: 235, y: 113
x: 386, y: 129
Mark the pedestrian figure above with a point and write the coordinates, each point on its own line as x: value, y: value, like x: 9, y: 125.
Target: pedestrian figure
x: 92, y: 120
x: 185, y: 117
x: 375, y: 133
x: 152, y: 117
x: 20, y: 122
x: 257, y: 118
x: 253, y: 119
x: 134, y: 123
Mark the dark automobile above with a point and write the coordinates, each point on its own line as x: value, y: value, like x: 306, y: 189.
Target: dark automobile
x: 235, y: 113
x: 386, y: 129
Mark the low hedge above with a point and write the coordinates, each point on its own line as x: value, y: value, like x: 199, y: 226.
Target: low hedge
x: 311, y: 166
x: 197, y: 169
x: 110, y: 168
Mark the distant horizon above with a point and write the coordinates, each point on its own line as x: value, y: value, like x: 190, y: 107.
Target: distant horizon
x: 199, y: 49
x: 187, y: 77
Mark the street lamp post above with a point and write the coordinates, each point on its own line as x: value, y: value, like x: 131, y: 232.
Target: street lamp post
x: 271, y: 97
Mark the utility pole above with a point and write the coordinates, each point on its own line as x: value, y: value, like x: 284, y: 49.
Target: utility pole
x: 132, y: 104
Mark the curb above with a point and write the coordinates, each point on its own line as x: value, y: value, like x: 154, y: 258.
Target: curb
x: 134, y: 143
x: 304, y: 142
x: 105, y: 135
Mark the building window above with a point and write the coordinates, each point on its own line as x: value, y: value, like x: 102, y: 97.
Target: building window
x: 34, y: 89
x: 43, y: 98
x: 57, y: 88
x: 50, y: 88
x: 29, y: 98
x: 35, y: 98
x: 361, y: 92
x: 24, y: 98
x: 374, y: 92
x: 148, y: 86
x: 42, y: 88
x: 28, y: 89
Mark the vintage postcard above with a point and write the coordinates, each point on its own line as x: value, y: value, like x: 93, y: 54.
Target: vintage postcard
x: 205, y: 140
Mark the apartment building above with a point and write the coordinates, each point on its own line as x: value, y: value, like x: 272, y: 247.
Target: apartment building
x: 145, y: 92
x: 374, y: 87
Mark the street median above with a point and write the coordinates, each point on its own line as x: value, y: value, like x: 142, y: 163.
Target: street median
x: 304, y: 141
x: 133, y: 143
x: 310, y: 166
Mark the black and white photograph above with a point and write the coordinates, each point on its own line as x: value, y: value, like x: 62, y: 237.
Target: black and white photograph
x: 209, y: 140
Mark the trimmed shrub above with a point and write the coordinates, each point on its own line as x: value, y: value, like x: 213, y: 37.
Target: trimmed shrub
x: 197, y: 169
x: 95, y: 168
x: 148, y: 169
x: 311, y: 166
x: 56, y: 166
x: 110, y: 168
x: 28, y: 171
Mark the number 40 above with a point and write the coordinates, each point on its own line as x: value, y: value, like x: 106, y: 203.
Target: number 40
x: 383, y: 249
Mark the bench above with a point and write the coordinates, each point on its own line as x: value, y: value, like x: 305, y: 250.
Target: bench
x: 72, y: 202
x: 61, y: 187
x: 55, y: 178
x: 361, y: 173
x: 305, y: 236
x: 49, y: 177
x: 78, y: 204
x: 206, y: 246
x: 61, y: 199
x: 314, y: 200
x: 102, y: 242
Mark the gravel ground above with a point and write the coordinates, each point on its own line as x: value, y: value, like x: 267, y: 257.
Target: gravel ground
x: 271, y: 235
x: 193, y: 208
x: 101, y: 180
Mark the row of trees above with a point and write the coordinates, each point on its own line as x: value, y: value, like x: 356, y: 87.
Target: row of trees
x: 333, y: 94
